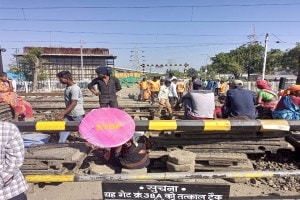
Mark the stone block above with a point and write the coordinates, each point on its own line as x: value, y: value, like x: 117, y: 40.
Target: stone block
x: 181, y: 168
x: 181, y: 157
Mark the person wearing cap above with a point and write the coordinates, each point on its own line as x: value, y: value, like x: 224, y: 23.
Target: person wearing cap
x: 288, y: 106
x: 240, y: 103
x: 199, y: 103
x: 108, y: 86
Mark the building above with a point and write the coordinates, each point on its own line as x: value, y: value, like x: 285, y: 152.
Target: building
x: 80, y: 62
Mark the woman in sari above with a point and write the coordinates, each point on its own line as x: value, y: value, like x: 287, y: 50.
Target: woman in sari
x: 21, y: 107
x: 266, y: 99
x: 288, y: 106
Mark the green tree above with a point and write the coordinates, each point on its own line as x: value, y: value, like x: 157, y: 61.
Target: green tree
x: 246, y: 58
x: 190, y: 72
x: 290, y: 59
x: 274, y: 61
x: 31, y: 64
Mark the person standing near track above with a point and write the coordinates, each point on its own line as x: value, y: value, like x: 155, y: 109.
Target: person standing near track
x: 108, y: 86
x: 74, y: 102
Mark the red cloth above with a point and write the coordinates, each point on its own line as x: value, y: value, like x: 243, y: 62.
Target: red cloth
x: 263, y: 84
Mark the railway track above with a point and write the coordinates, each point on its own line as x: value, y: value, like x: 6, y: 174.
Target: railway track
x: 216, y: 151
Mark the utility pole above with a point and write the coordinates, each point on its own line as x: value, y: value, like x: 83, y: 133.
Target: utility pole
x: 1, y: 63
x: 265, y: 57
x: 81, y: 59
x: 185, y: 69
x: 143, y: 69
x: 298, y: 76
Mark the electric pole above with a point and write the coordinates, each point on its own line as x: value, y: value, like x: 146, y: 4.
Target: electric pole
x: 265, y: 57
x: 298, y: 76
x: 81, y: 60
x: 1, y: 63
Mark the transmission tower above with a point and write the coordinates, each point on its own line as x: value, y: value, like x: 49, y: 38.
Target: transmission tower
x: 137, y: 59
x: 252, y: 37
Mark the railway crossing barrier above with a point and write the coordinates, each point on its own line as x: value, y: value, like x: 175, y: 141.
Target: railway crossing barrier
x: 238, y: 126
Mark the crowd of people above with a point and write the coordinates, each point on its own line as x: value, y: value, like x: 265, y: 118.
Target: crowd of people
x: 211, y: 99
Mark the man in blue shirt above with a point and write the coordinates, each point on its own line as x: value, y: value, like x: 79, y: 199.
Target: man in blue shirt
x: 240, y: 102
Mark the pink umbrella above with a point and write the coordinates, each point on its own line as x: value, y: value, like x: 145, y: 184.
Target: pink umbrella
x: 107, y: 127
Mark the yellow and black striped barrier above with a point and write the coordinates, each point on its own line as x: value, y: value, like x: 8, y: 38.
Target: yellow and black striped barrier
x: 223, y: 125
x: 160, y: 176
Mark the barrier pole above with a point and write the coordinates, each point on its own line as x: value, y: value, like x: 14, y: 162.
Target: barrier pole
x: 161, y: 176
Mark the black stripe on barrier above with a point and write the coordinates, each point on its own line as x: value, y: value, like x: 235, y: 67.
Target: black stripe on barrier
x: 141, y: 125
x: 190, y: 125
x: 26, y: 126
x: 294, y: 125
x: 245, y: 125
x: 72, y: 126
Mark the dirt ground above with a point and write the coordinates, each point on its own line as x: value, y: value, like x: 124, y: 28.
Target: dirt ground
x: 92, y: 190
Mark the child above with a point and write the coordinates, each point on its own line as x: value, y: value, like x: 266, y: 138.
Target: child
x: 220, y: 111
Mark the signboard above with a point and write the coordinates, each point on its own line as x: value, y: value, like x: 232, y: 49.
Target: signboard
x: 164, y: 191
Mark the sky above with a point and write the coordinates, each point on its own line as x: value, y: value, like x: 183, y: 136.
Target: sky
x: 149, y: 32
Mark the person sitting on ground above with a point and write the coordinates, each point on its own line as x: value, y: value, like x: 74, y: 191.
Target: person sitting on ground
x: 288, y: 106
x: 266, y: 100
x: 240, y: 103
x: 220, y: 111
x: 163, y: 99
x: 21, y: 107
x: 133, y: 154
x: 199, y: 103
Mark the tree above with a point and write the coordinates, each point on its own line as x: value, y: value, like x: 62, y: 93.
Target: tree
x: 190, y: 72
x: 246, y: 58
x: 274, y: 60
x: 290, y: 59
x: 32, y: 64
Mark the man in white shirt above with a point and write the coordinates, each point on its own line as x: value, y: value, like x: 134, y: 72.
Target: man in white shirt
x: 163, y: 99
x: 173, y: 96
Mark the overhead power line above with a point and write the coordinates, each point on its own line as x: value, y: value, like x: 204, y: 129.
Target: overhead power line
x: 126, y: 43
x: 147, y: 7
x: 142, y: 34
x: 120, y: 33
x: 152, y: 21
